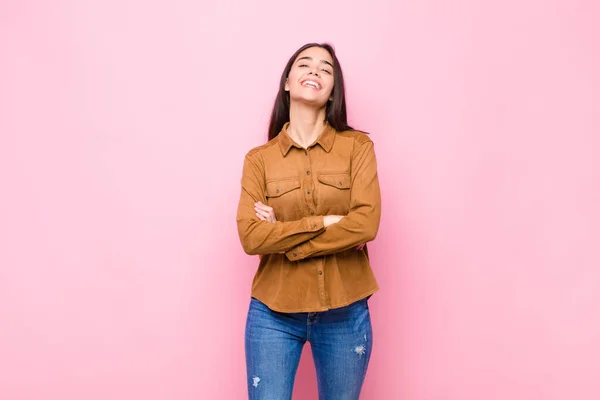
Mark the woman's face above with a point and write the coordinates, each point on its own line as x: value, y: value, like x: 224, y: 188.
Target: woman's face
x: 311, y: 78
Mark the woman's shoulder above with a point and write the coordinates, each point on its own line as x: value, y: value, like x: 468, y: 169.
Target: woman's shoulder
x: 356, y: 135
x: 256, y: 151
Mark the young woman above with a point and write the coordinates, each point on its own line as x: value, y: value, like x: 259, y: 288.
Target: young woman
x: 310, y: 201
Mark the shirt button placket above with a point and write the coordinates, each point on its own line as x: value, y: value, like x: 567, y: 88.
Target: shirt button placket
x: 308, y: 184
x: 321, y: 282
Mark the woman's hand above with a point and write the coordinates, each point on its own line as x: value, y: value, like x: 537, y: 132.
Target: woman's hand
x: 331, y: 219
x: 264, y: 212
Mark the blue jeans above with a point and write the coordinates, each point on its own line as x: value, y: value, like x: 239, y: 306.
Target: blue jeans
x: 340, y: 339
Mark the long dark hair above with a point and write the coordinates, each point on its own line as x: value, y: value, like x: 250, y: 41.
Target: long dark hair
x: 336, y: 108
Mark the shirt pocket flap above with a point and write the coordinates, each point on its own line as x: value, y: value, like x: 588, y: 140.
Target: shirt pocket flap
x: 340, y: 181
x: 283, y: 186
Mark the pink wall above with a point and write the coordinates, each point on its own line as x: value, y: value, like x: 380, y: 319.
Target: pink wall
x: 123, y: 126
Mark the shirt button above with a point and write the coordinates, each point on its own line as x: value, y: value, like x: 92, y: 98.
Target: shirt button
x: 315, y: 226
x: 294, y: 254
x: 308, y: 192
x: 340, y: 183
x: 277, y: 191
x: 320, y: 272
x: 307, y: 172
x: 305, y: 152
x: 312, y: 213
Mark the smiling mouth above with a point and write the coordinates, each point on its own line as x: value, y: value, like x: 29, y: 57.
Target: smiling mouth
x: 311, y: 84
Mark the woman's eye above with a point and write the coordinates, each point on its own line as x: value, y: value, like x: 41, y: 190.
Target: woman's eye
x: 326, y: 71
x: 303, y: 65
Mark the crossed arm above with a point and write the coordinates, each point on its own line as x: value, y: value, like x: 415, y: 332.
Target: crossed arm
x: 261, y: 233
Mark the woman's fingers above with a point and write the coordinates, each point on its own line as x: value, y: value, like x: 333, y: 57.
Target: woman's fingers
x: 264, y: 212
x: 261, y: 217
x: 262, y: 206
x: 261, y: 212
x: 264, y: 209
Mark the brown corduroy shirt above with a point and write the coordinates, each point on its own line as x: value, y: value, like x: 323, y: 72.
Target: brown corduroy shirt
x: 305, y: 267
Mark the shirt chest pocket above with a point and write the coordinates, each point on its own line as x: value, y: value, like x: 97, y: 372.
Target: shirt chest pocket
x: 334, y: 193
x: 284, y: 196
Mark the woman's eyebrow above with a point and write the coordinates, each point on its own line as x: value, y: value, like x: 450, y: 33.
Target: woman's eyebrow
x: 310, y: 58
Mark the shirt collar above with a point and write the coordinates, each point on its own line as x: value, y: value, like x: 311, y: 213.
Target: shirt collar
x: 325, y: 139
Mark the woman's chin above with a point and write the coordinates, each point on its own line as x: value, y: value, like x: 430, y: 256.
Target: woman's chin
x: 311, y: 101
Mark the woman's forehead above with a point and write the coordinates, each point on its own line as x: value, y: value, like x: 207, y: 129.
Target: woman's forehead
x: 315, y: 53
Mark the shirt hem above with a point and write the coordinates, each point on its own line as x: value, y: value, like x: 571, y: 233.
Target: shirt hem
x: 321, y: 309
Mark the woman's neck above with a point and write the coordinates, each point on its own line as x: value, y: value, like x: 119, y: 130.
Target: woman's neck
x: 306, y: 124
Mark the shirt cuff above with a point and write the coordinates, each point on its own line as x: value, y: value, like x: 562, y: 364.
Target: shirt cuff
x: 294, y: 254
x: 314, y: 224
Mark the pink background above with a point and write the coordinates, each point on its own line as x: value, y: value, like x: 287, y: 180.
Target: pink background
x: 123, y: 126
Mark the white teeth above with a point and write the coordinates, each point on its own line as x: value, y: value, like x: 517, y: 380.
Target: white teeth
x: 311, y: 84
